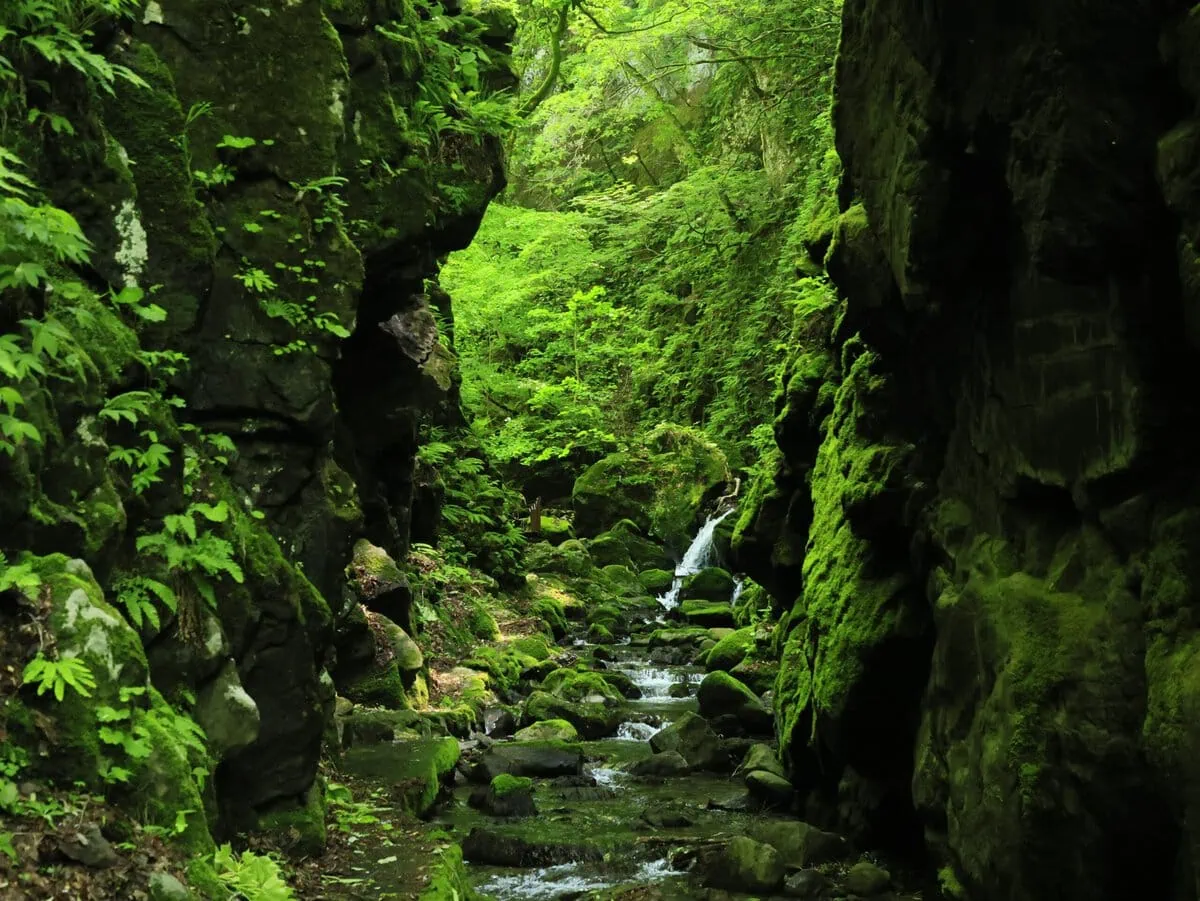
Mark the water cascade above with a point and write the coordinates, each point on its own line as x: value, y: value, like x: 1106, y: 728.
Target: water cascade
x: 698, y: 555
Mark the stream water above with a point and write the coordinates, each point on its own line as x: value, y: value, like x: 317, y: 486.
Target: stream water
x: 612, y: 810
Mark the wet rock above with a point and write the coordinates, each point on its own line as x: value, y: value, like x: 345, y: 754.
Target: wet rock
x: 866, y: 879
x: 498, y: 722
x: 769, y: 789
x: 548, y: 730
x: 691, y: 736
x: 721, y: 694
x: 581, y: 781
x: 680, y: 690
x: 667, y: 817
x: 87, y: 846
x: 809, y: 885
x: 761, y: 757
x: 656, y: 581
x: 544, y: 759
x: 506, y: 796
x: 623, y: 684
x: 733, y: 802
x: 801, y: 844
x: 741, y: 865
x: 491, y: 848
x: 593, y: 720
x: 707, y: 613
x: 367, y: 726
x: 380, y: 583
x: 165, y: 887
x: 538, y: 671
x: 666, y: 764
x: 730, y: 650
x: 227, y: 714
x: 710, y: 584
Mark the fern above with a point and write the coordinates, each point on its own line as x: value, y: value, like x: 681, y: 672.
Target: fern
x: 57, y: 675
x: 138, y: 594
x: 20, y: 576
x: 200, y: 555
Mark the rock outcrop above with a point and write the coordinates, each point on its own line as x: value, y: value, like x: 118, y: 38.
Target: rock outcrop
x: 988, y: 507
x: 265, y: 177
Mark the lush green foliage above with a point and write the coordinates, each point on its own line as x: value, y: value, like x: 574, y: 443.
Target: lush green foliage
x: 683, y: 175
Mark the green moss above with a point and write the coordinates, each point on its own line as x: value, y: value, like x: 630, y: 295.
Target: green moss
x: 482, y: 624
x: 504, y: 784
x: 504, y: 663
x: 202, y: 879
x: 571, y: 558
x: 731, y: 650
x: 535, y: 646
x: 600, y: 634
x: 574, y: 685
x: 549, y: 730
x: 448, y: 881
x: 656, y: 581
x: 381, y: 689
x: 299, y: 829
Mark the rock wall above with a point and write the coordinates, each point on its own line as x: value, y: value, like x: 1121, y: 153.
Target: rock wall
x: 988, y: 506
x: 272, y: 187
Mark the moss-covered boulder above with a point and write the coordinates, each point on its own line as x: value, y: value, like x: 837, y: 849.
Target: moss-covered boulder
x: 548, y: 730
x: 507, y: 796
x: 582, y: 685
x: 711, y: 614
x: 571, y: 558
x: 380, y: 584
x: 417, y: 768
x: 623, y: 581
x: 591, y: 720
x: 730, y: 651
x: 656, y: 581
x: 741, y: 865
x: 710, y: 584
x: 695, y: 740
x: 607, y: 549
x: 556, y: 530
x: 722, y: 695
x: 660, y: 485
x: 543, y: 760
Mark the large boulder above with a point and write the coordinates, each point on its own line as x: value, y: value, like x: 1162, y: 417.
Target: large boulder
x: 710, y: 584
x: 741, y: 865
x: 591, y: 720
x: 722, y: 695
x: 692, y: 738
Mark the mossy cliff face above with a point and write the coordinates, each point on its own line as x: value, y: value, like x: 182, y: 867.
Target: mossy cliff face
x: 987, y: 504
x: 273, y: 188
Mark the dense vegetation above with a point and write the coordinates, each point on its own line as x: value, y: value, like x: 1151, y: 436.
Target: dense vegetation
x: 655, y: 243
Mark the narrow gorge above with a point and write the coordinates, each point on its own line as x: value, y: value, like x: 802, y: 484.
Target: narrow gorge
x: 594, y: 450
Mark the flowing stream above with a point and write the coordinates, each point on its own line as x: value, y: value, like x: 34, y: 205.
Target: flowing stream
x: 611, y: 809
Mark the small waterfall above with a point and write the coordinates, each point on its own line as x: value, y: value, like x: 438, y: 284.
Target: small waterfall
x: 739, y: 582
x: 699, y: 555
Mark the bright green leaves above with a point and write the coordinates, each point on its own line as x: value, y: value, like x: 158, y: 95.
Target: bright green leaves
x: 57, y: 676
x: 251, y: 876
x: 199, y: 554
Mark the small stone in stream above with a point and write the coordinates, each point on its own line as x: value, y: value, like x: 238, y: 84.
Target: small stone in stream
x: 165, y: 887
x: 498, y: 722
x: 734, y: 802
x: 694, y: 740
x: 769, y: 789
x: 761, y: 757
x: 740, y: 865
x: 88, y: 847
x: 801, y: 844
x: 573, y: 782
x: 721, y: 694
x: 485, y: 846
x: 509, y: 796
x: 735, y: 748
x: 667, y: 818
x: 669, y: 763
x: 679, y: 690
x: 546, y: 759
x: 866, y: 879
x: 549, y: 730
x: 602, y: 654
x: 808, y: 885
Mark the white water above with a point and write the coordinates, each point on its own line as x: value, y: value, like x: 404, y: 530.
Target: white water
x: 554, y: 882
x: 636, y: 731
x: 605, y: 776
x: 654, y: 682
x: 699, y: 555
